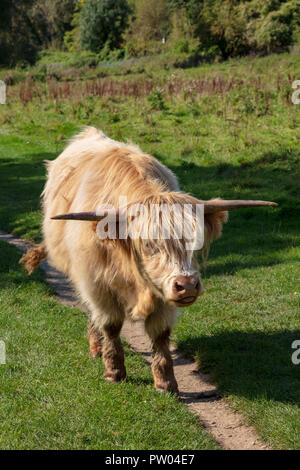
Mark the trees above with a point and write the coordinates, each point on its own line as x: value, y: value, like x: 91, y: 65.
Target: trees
x: 223, y: 27
x: 220, y: 24
x: 54, y: 19
x: 19, y: 37
x: 26, y: 26
x: 72, y: 36
x: 152, y: 19
x: 237, y: 27
x: 101, y: 22
x: 273, y: 28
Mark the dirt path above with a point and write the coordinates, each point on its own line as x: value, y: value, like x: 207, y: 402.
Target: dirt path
x: 199, y: 394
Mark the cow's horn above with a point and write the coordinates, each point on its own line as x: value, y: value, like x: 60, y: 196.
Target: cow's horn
x: 92, y: 216
x: 97, y: 215
x: 217, y: 205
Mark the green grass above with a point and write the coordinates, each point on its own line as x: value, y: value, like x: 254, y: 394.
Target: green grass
x: 237, y: 138
x: 52, y: 393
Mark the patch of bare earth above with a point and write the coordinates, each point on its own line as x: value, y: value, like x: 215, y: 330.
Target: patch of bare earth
x: 196, y: 391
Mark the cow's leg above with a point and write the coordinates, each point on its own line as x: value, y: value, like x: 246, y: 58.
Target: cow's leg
x: 107, y: 318
x: 105, y: 341
x: 112, y: 352
x: 159, y: 330
x: 95, y: 337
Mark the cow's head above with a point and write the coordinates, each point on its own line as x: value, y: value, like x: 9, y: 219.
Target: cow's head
x: 164, y: 234
x: 170, y: 234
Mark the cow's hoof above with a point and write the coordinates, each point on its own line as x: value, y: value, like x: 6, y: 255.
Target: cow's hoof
x: 115, y: 376
x: 168, y: 387
x: 95, y: 351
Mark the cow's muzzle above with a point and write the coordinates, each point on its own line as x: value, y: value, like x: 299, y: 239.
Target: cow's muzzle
x: 186, y: 289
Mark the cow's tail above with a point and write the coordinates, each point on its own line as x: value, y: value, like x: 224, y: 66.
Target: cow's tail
x: 34, y: 257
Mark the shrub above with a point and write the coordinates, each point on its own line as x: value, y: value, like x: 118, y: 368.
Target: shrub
x: 182, y: 46
x: 156, y: 100
x: 102, y: 22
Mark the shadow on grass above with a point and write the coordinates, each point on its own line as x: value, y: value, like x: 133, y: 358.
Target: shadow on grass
x: 21, y: 183
x: 138, y: 381
x: 250, y: 365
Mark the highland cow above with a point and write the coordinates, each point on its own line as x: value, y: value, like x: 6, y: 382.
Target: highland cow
x: 143, y: 278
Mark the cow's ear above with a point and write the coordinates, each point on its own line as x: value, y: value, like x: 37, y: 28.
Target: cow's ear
x: 213, y: 224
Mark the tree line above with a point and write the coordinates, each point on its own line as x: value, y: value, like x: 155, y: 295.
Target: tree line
x: 132, y: 28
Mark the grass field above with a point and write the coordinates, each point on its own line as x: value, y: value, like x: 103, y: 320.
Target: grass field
x: 227, y: 130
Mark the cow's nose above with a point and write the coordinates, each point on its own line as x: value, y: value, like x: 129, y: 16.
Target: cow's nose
x: 186, y: 286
